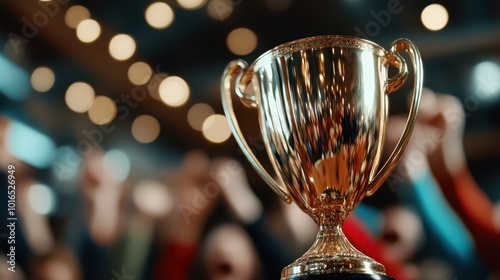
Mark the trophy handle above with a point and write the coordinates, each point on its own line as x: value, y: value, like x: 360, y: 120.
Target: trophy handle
x: 395, y: 83
x: 237, y: 68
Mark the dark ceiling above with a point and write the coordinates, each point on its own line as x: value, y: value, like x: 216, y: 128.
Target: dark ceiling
x: 194, y: 47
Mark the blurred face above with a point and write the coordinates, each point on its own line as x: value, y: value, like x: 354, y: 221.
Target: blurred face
x: 229, y: 255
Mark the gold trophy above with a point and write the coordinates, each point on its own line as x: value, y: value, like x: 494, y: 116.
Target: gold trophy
x: 323, y: 107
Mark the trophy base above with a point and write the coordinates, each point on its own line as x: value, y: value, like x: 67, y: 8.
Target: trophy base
x: 355, y: 267
x: 333, y: 257
x: 343, y: 276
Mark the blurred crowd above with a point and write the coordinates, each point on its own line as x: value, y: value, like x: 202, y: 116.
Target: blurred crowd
x: 207, y: 222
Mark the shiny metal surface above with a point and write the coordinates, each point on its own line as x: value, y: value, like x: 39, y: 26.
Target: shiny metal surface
x: 323, y: 109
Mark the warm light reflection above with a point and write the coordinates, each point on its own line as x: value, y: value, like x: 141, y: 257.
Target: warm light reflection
x: 102, y: 111
x: 42, y: 79
x: 191, y: 4
x: 117, y: 163
x: 88, y: 30
x: 219, y: 9
x: 174, y: 91
x: 122, y: 47
x: 198, y: 114
x: 145, y: 129
x: 79, y: 97
x: 76, y: 14
x: 434, y: 17
x: 216, y: 129
x: 159, y: 15
x: 241, y: 41
x: 139, y: 73
x: 152, y: 197
x: 41, y: 199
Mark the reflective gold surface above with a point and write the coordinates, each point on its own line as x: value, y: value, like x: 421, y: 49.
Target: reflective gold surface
x: 323, y: 110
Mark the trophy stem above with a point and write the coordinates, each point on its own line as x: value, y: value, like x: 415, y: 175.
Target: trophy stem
x: 332, y: 253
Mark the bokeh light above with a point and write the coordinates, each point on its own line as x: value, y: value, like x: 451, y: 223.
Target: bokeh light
x: 79, y: 97
x: 122, y: 47
x: 174, y: 91
x: 76, y: 14
x: 102, y: 111
x: 139, y: 73
x: 486, y: 80
x: 88, y: 30
x: 219, y: 9
x: 145, y: 129
x: 434, y: 17
x: 152, y: 197
x: 42, y: 79
x: 241, y: 41
x: 197, y: 114
x: 29, y: 145
x: 118, y: 163
x: 41, y: 199
x: 216, y: 129
x: 159, y: 15
x: 11, y: 71
x: 191, y: 4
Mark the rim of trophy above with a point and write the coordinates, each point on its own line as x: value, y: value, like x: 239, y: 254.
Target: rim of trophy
x: 319, y: 41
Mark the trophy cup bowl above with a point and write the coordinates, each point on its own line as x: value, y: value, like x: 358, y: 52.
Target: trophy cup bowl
x: 323, y: 106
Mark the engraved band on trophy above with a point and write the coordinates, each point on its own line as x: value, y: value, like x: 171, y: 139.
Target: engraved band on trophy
x: 323, y: 107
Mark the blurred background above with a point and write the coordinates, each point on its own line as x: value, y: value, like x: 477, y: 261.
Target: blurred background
x: 96, y: 93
